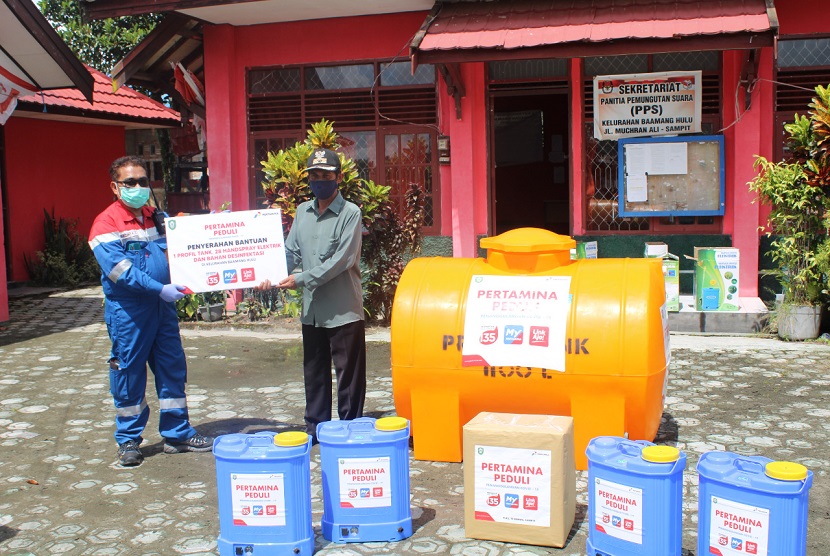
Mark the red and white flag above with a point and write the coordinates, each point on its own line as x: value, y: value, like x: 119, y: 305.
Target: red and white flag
x: 11, y: 87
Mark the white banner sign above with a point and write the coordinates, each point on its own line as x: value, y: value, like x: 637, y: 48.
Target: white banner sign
x: 11, y: 87
x: 516, y: 321
x: 512, y: 485
x: 648, y: 104
x: 226, y: 250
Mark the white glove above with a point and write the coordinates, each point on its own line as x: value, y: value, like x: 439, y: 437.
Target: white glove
x: 171, y: 292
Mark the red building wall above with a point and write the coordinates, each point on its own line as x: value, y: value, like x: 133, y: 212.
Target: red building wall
x: 230, y: 50
x: 798, y: 17
x: 57, y: 166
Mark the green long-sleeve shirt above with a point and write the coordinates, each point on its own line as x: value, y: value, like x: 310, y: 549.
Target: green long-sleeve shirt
x: 327, y: 249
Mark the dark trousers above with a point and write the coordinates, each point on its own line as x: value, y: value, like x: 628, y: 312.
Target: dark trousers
x: 346, y: 347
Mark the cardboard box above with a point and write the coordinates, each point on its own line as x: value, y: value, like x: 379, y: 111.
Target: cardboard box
x: 655, y: 249
x: 671, y: 272
x: 716, y: 284
x: 584, y: 250
x: 519, y: 478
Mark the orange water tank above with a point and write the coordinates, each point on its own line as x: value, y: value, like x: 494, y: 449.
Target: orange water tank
x: 616, y: 347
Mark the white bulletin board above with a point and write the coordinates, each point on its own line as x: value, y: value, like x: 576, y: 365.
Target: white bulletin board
x: 671, y: 176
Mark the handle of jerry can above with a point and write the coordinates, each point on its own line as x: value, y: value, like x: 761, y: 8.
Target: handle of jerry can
x: 631, y: 447
x: 749, y: 466
x: 259, y: 441
x: 361, y: 426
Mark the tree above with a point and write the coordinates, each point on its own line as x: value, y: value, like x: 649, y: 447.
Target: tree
x: 100, y: 43
x: 388, y: 235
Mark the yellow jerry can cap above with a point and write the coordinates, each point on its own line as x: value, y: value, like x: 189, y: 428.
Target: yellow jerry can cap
x: 290, y: 438
x: 786, y: 471
x: 660, y: 454
x: 391, y: 424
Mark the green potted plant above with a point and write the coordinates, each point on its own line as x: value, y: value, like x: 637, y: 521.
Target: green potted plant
x: 212, y: 307
x: 796, y: 190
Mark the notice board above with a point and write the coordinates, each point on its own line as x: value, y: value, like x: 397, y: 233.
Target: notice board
x: 671, y: 176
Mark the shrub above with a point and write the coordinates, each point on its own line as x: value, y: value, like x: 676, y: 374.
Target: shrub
x: 387, y: 235
x: 66, y: 259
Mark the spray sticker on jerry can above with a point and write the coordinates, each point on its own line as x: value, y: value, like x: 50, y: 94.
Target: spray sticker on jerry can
x: 738, y: 529
x: 365, y: 482
x: 258, y: 499
x: 619, y: 510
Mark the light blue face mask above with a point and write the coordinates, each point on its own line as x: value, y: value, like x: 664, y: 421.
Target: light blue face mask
x: 135, y: 197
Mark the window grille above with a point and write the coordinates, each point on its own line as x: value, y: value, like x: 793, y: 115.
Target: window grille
x: 802, y: 65
x: 370, y: 104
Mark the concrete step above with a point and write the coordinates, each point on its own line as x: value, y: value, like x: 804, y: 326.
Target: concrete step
x: 750, y: 319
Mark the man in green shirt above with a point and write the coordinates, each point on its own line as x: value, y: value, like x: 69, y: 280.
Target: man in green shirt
x: 323, y: 250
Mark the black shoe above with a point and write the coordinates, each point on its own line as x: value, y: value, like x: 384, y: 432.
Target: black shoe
x: 196, y: 443
x: 129, y: 454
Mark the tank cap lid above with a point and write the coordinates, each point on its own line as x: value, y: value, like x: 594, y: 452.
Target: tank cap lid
x: 786, y: 471
x: 528, y: 240
x: 290, y: 438
x: 391, y: 424
x: 660, y: 454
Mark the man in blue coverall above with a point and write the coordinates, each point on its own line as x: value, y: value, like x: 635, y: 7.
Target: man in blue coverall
x: 141, y: 317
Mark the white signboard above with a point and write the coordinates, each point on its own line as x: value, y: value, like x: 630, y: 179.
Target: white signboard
x: 516, y: 321
x: 646, y: 105
x: 365, y: 482
x: 258, y: 499
x: 618, y: 510
x: 512, y: 485
x: 226, y: 250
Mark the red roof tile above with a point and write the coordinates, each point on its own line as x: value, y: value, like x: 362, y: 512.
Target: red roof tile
x: 125, y: 102
x: 530, y: 23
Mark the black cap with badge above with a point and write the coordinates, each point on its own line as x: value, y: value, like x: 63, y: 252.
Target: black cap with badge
x: 324, y: 159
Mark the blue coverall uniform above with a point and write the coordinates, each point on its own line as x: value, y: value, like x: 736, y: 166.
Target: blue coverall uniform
x: 143, y: 328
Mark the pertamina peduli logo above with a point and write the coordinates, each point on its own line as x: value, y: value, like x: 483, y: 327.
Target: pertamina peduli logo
x: 212, y: 278
x: 171, y: 223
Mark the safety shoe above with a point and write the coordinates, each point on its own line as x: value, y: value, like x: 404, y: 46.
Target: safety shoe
x: 196, y: 443
x: 129, y: 454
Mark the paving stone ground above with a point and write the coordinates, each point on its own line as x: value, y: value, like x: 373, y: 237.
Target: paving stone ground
x: 62, y: 492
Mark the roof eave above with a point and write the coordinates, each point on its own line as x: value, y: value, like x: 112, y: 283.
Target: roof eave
x: 81, y: 113
x: 29, y: 16
x: 134, y: 61
x: 584, y: 49
x: 102, y: 9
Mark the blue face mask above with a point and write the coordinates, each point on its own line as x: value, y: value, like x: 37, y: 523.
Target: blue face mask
x: 135, y: 197
x: 323, y: 189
